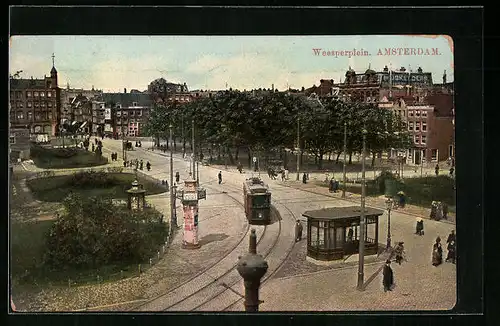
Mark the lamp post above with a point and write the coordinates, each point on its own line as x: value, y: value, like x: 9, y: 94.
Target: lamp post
x: 388, y: 205
x: 361, y: 264
x: 345, y: 158
x: 194, y: 155
x: 173, y: 217
x: 252, y: 268
x: 298, y: 148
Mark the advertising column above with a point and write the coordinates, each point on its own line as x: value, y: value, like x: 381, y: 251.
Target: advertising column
x: 190, y: 208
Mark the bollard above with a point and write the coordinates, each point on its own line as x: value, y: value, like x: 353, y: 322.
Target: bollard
x: 163, y: 248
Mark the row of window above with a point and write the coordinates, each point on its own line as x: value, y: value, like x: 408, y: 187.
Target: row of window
x: 34, y: 94
x: 417, y: 113
x: 416, y: 126
x: 38, y: 116
x: 34, y: 104
x: 420, y: 139
x: 132, y: 113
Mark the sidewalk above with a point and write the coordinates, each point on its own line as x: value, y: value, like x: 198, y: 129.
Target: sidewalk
x: 376, y: 202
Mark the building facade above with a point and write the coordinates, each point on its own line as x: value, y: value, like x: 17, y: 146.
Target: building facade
x: 121, y: 114
x: 68, y: 102
x: 35, y: 104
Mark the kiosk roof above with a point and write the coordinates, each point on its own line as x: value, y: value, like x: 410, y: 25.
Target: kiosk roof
x: 332, y: 213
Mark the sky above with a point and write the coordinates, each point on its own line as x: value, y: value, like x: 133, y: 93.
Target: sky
x: 112, y: 63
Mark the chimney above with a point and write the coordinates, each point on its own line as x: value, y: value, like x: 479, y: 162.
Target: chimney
x: 444, y: 77
x: 125, y: 90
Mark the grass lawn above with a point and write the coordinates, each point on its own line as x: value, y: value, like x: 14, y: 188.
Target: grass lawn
x: 47, y: 158
x: 28, y: 245
x: 55, y: 189
x: 27, y: 240
x: 419, y: 191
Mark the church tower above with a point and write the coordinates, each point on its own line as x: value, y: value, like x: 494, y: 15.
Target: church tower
x: 53, y: 74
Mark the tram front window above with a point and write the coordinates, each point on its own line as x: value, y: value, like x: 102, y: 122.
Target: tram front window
x: 260, y: 201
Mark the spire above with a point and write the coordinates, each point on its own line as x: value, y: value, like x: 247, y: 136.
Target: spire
x: 53, y: 71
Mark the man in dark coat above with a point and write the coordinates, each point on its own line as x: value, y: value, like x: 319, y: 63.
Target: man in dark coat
x: 388, y: 276
x: 437, y: 253
x: 451, y: 237
x: 304, y: 178
x: 298, y: 231
x: 177, y: 176
x: 220, y: 177
x: 331, y: 187
x: 436, y: 169
x: 451, y: 252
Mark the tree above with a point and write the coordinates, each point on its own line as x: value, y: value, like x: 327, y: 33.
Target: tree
x: 94, y: 232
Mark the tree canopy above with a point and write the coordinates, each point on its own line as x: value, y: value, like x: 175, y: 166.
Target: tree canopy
x: 264, y: 120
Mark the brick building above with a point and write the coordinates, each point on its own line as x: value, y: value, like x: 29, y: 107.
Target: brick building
x: 117, y: 114
x: 70, y: 97
x: 35, y: 104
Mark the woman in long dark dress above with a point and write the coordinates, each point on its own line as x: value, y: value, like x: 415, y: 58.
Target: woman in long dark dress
x: 388, y: 276
x: 437, y: 253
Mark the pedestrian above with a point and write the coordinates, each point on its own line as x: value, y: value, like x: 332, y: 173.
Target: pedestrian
x: 124, y: 164
x: 388, y: 276
x: 451, y: 237
x: 399, y: 251
x: 452, y: 169
x: 240, y: 167
x: 436, y: 169
x: 286, y: 174
x: 336, y: 186
x: 402, y: 199
x: 304, y: 178
x: 148, y: 166
x: 445, y: 210
x: 350, y: 235
x: 331, y: 186
x: 282, y: 175
x: 141, y: 165
x: 220, y: 177
x: 93, y: 147
x: 437, y: 253
x: 177, y: 176
x: 433, y: 214
x: 451, y: 252
x: 298, y: 231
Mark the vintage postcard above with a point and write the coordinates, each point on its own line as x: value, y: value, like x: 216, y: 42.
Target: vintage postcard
x: 232, y: 173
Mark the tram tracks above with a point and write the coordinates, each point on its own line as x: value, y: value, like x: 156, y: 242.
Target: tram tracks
x: 204, y: 278
x: 275, y: 260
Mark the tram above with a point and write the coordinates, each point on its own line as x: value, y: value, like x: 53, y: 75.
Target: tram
x: 257, y: 200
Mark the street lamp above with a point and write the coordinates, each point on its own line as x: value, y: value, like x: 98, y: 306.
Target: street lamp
x: 298, y: 148
x: 345, y: 158
x: 173, y: 218
x: 388, y: 205
x: 361, y: 264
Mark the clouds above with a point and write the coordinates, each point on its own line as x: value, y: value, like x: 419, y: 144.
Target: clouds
x: 113, y: 63
x: 247, y: 71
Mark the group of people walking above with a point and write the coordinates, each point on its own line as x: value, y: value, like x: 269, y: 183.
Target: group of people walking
x: 437, y: 250
x: 137, y: 164
x: 437, y: 256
